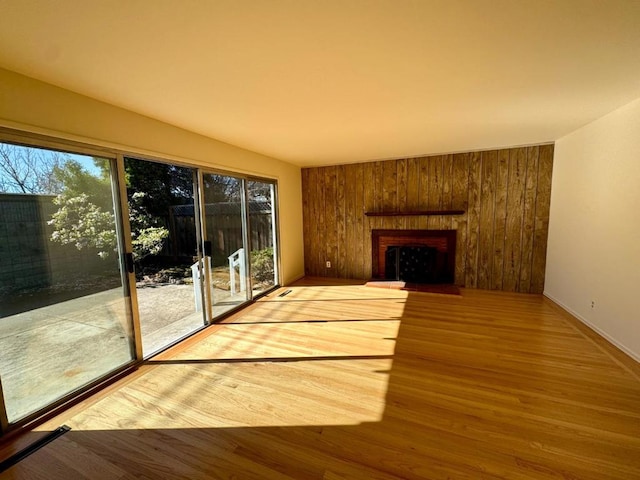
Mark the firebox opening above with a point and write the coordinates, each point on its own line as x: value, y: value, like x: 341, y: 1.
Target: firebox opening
x: 414, y: 256
x: 415, y: 263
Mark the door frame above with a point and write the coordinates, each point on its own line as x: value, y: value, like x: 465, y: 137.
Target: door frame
x: 124, y: 246
x: 245, y: 226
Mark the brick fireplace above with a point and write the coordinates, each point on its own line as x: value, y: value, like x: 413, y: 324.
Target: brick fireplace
x: 419, y: 256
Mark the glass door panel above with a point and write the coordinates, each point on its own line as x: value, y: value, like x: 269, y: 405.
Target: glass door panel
x: 262, y: 238
x: 63, y: 294
x: 164, y: 222
x: 224, y: 232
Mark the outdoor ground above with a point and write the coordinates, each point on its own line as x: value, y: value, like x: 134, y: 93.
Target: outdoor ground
x: 50, y: 351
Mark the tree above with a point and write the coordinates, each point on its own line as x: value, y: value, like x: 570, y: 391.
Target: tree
x: 164, y: 185
x: 29, y: 170
x: 259, y: 191
x: 147, y: 236
x: 221, y: 189
x: 81, y: 222
x: 85, y: 215
x: 75, y: 180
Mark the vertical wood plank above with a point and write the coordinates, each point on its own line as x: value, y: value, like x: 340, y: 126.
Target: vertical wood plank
x: 435, y: 191
x: 473, y: 220
x: 331, y: 229
x: 487, y: 213
x: 423, y: 191
x: 413, y: 184
x: 378, y: 170
x: 389, y: 192
x: 390, y: 185
x: 313, y: 208
x: 528, y: 218
x: 447, y: 190
x: 341, y: 222
x: 541, y: 228
x: 460, y: 200
x: 307, y: 224
x: 401, y: 189
x: 358, y: 221
x: 369, y: 206
x: 350, y: 228
x: 513, y: 229
x: 321, y: 227
x: 500, y: 218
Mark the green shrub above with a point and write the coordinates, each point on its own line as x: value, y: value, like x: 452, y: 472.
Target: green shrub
x: 262, y: 268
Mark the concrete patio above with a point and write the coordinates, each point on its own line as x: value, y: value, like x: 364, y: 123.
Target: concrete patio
x: 51, y: 351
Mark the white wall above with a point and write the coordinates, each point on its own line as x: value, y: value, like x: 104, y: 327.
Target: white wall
x: 37, y: 107
x: 593, y: 251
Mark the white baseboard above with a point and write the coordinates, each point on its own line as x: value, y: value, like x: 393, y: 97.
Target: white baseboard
x: 593, y: 327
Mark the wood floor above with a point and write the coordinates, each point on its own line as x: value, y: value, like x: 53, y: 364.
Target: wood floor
x: 341, y: 382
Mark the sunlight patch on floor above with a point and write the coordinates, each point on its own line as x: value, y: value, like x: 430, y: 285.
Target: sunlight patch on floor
x: 293, y: 361
x: 260, y: 394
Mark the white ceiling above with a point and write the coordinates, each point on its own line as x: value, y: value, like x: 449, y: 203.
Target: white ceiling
x: 336, y: 81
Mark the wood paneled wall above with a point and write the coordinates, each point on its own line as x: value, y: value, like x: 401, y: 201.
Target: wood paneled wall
x: 501, y: 237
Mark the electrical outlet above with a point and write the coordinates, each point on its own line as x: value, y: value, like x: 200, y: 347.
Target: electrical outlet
x: 593, y: 304
x: 328, y: 264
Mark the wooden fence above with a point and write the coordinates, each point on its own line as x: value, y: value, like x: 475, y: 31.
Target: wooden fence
x: 224, y: 229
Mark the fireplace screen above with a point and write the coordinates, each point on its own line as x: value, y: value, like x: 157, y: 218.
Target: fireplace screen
x: 414, y: 256
x: 410, y: 263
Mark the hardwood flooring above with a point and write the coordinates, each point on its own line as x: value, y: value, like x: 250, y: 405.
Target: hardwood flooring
x: 338, y: 381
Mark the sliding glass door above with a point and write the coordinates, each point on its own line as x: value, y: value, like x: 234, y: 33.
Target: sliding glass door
x: 225, y: 232
x: 164, y: 219
x: 261, y: 201
x: 64, y: 316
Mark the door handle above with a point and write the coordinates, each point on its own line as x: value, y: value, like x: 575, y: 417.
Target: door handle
x: 208, y: 248
x: 128, y: 259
